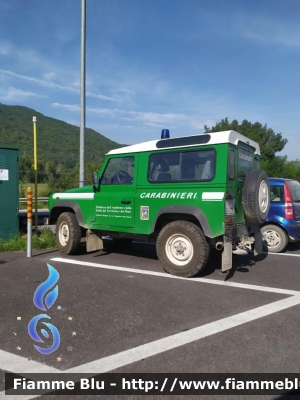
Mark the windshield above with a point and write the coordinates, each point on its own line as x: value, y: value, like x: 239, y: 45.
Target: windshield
x: 295, y: 190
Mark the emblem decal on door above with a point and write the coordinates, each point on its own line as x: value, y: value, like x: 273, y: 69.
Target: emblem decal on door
x: 144, y: 212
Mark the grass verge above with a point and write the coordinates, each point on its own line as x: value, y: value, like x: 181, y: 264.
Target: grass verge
x: 43, y: 240
x: 23, y: 206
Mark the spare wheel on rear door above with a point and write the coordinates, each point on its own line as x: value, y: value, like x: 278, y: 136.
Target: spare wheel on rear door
x: 256, y: 196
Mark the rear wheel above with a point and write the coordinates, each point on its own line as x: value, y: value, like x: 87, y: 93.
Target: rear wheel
x: 182, y: 249
x: 68, y: 233
x: 274, y: 238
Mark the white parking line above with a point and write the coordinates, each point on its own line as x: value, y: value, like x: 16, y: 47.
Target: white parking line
x: 12, y: 362
x: 171, y: 342
x: 165, y: 275
x: 17, y: 364
x: 282, y: 254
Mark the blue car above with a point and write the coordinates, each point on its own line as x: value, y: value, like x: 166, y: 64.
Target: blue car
x: 283, y: 222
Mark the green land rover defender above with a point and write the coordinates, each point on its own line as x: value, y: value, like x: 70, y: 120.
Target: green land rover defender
x: 186, y: 194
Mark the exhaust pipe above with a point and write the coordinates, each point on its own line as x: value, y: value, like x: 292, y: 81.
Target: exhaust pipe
x: 219, y: 245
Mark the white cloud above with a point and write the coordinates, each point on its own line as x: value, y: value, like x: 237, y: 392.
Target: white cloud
x: 54, y: 85
x: 100, y: 96
x: 157, y: 119
x: 69, y: 107
x: 50, y: 75
x: 272, y: 31
x: 5, y: 48
x: 14, y: 94
x: 76, y: 108
x: 147, y: 118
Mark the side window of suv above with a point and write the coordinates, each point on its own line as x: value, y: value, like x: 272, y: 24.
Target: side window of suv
x: 182, y: 166
x: 119, y: 171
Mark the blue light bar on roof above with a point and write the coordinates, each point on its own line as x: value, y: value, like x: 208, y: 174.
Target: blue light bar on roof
x: 165, y: 134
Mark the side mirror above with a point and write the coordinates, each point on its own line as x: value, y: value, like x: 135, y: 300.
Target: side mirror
x: 95, y: 178
x: 96, y: 181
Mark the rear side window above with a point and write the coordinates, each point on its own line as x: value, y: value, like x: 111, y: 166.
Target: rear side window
x: 245, y: 163
x: 295, y: 190
x: 231, y: 164
x: 277, y: 193
x: 182, y: 166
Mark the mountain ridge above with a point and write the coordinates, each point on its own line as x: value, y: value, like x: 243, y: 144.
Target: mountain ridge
x: 57, y: 140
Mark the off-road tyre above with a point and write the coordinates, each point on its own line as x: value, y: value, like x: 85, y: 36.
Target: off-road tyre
x: 189, y: 240
x: 68, y: 233
x: 274, y: 238
x: 256, y: 196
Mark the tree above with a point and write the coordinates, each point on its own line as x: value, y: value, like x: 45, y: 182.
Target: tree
x: 26, y: 169
x: 269, y: 141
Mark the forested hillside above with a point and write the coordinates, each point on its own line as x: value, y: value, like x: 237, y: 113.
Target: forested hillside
x: 57, y: 141
x: 58, y: 148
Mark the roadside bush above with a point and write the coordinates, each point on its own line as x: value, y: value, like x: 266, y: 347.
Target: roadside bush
x: 43, y: 240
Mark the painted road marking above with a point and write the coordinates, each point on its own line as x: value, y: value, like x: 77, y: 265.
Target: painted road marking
x: 15, y: 363
x: 180, y: 339
x: 282, y: 254
x: 165, y: 275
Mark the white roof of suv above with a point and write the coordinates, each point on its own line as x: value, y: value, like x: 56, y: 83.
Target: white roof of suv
x: 208, y: 139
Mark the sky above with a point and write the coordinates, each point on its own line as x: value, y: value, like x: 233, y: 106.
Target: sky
x: 155, y: 64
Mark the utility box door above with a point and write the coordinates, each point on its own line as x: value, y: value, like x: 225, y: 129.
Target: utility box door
x: 9, y: 192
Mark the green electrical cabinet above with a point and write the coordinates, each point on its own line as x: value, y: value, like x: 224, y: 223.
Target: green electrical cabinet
x: 9, y: 192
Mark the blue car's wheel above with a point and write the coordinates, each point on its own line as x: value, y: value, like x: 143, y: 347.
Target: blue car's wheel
x: 274, y: 238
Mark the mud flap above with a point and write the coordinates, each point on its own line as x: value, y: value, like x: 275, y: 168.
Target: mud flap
x: 93, y: 241
x: 227, y: 253
x: 258, y: 244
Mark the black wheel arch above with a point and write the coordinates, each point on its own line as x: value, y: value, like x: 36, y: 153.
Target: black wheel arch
x: 188, y: 213
x: 65, y: 206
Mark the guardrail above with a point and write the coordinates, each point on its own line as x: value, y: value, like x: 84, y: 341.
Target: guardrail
x: 40, y: 200
x: 42, y: 213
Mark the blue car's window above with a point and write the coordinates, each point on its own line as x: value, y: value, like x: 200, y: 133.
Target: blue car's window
x: 295, y: 190
x: 276, y: 194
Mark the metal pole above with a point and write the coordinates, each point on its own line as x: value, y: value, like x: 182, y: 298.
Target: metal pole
x: 35, y: 166
x: 82, y: 99
x: 29, y: 222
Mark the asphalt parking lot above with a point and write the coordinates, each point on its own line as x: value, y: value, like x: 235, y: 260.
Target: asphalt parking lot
x: 118, y: 311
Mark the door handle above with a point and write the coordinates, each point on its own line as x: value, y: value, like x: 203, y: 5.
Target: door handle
x: 125, y: 201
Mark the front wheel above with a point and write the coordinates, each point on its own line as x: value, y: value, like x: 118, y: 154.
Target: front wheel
x: 68, y: 233
x: 274, y: 238
x: 182, y: 249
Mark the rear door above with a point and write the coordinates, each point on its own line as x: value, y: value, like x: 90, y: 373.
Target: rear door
x: 295, y: 194
x: 244, y: 164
